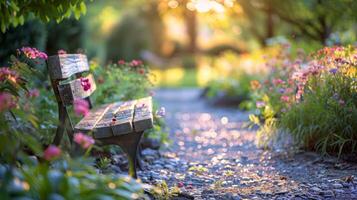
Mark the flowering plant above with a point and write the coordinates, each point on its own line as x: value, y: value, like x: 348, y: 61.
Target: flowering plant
x: 28, y: 168
x: 312, y: 98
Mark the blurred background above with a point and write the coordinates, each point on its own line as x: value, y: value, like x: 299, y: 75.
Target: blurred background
x: 189, y: 43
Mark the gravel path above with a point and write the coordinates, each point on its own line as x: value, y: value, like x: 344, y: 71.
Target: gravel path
x: 214, y: 157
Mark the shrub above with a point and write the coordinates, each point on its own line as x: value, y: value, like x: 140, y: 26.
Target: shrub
x: 127, y: 81
x: 29, y: 171
x: 231, y: 87
x: 314, y: 99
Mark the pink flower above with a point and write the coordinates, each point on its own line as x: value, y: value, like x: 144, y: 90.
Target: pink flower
x: 42, y: 55
x: 180, y: 184
x: 52, y: 152
x: 284, y: 98
x: 7, y: 101
x: 278, y: 81
x: 289, y: 90
x: 135, y: 63
x: 81, y: 107
x: 61, y: 51
x: 33, y: 53
x: 141, y: 71
x: 84, y: 140
x: 341, y: 102
x: 85, y: 84
x: 8, y: 74
x: 33, y: 93
x: 260, y: 104
x: 121, y: 62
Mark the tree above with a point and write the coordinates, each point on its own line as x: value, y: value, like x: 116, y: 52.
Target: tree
x: 316, y: 19
x: 17, y: 12
x: 260, y: 16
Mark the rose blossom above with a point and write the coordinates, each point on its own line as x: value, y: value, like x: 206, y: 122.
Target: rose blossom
x: 84, y: 140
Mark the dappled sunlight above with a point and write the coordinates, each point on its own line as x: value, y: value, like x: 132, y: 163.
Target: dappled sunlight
x: 178, y: 99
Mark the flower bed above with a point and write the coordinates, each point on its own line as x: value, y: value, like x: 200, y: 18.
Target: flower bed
x: 30, y: 168
x: 312, y: 97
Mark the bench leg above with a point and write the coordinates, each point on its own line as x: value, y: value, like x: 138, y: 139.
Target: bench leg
x: 129, y: 143
x: 61, y: 126
x: 139, y: 158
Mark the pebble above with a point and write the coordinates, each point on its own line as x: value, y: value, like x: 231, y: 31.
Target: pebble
x: 337, y: 185
x: 284, y: 174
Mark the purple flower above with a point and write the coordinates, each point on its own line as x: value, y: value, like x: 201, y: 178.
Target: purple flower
x: 161, y: 112
x: 281, y: 90
x: 260, y: 104
x: 333, y: 71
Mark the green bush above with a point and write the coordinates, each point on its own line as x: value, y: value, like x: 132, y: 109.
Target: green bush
x: 313, y: 99
x: 32, y: 33
x: 127, y: 81
x: 232, y: 87
x: 28, y: 169
x: 67, y: 35
x: 325, y: 118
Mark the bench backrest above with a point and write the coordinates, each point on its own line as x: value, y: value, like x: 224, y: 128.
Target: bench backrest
x: 65, y: 71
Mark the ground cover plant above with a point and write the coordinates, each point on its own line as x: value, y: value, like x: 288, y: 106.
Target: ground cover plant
x: 312, y: 97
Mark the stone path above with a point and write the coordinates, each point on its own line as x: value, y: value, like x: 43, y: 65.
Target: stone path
x: 214, y: 157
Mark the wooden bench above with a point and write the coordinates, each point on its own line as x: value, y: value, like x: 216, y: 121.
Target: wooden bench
x: 118, y: 123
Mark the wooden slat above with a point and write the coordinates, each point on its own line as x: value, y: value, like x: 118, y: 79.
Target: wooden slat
x: 103, y: 127
x: 73, y: 90
x: 143, y: 118
x: 123, y: 118
x: 88, y: 122
x: 65, y: 65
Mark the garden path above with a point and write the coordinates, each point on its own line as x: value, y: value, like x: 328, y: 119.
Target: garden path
x: 214, y: 157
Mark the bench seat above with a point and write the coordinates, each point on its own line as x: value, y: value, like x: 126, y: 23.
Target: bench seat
x: 118, y: 118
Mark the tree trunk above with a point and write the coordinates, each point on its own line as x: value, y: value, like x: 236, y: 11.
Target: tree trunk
x: 191, y: 28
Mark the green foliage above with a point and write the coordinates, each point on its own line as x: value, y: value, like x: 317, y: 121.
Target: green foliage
x: 24, y: 171
x: 232, y: 87
x: 316, y: 19
x: 122, y: 45
x: 325, y: 119
x: 163, y: 192
x: 121, y: 82
x: 67, y: 35
x: 127, y: 81
x: 75, y: 180
x: 31, y: 33
x: 16, y: 12
x: 314, y: 100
